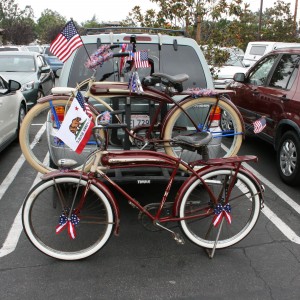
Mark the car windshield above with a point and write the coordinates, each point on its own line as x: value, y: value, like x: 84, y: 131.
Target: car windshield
x: 234, y: 60
x: 166, y: 60
x: 17, y: 63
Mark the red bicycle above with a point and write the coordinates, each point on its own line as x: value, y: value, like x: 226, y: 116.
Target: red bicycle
x: 71, y: 215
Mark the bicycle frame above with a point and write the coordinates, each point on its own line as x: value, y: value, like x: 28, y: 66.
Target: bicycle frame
x: 99, y: 90
x: 138, y: 159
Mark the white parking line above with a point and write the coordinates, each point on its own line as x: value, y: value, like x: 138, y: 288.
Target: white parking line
x: 14, y: 233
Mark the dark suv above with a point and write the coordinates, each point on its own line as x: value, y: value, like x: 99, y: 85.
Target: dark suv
x: 271, y: 89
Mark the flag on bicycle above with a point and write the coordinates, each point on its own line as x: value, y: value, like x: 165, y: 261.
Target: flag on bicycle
x: 66, y: 42
x: 83, y: 104
x: 141, y: 59
x: 76, y: 128
x: 259, y: 125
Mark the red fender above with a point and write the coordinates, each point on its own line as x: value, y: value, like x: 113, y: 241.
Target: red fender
x: 207, y: 169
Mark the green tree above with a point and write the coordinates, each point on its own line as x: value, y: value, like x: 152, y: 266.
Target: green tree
x: 278, y: 23
x: 15, y: 20
x: 49, y: 25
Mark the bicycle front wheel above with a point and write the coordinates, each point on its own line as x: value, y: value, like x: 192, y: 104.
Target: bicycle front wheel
x: 222, y: 121
x: 37, y: 138
x: 47, y: 206
x: 244, y: 204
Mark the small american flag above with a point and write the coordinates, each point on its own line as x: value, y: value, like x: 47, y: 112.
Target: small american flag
x: 141, y: 59
x: 259, y: 125
x: 83, y: 104
x: 66, y: 42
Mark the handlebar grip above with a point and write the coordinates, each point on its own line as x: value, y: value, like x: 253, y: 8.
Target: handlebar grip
x: 114, y: 46
x: 121, y: 54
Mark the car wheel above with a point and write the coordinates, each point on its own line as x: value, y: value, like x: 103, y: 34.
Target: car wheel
x: 22, y: 113
x: 40, y: 94
x: 288, y: 158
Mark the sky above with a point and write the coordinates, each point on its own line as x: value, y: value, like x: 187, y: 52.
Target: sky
x: 111, y: 10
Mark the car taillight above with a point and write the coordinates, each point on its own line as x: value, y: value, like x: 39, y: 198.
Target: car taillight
x: 59, y: 114
x: 215, y: 116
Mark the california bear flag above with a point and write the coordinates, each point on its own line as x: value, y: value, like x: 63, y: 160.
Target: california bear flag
x: 76, y: 129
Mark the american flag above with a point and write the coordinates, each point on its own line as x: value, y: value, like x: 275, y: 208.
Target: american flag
x: 66, y: 42
x: 83, y: 104
x: 259, y: 125
x: 141, y: 59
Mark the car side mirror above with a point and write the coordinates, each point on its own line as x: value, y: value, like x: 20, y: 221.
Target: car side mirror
x: 13, y: 85
x: 239, y: 77
x: 45, y: 69
x: 58, y: 72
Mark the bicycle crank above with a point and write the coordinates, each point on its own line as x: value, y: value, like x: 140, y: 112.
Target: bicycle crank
x: 152, y: 209
x: 176, y: 236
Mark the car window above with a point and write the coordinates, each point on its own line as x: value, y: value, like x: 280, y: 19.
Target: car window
x: 167, y: 60
x: 257, y: 50
x: 15, y: 63
x: 285, y: 72
x: 259, y: 74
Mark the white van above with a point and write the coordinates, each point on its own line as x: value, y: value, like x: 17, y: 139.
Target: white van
x: 256, y: 50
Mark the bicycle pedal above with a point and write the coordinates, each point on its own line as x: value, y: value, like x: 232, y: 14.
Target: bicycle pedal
x: 178, y: 238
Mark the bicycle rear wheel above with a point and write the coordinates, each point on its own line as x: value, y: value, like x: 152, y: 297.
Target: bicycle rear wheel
x: 244, y: 201
x: 37, y: 138
x: 49, y: 201
x: 223, y: 122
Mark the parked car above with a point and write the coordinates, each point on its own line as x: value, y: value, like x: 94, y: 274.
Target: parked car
x: 234, y: 64
x: 256, y: 50
x: 12, y: 111
x: 52, y: 60
x: 171, y: 53
x: 31, y: 70
x: 35, y: 48
x: 13, y: 48
x: 271, y: 89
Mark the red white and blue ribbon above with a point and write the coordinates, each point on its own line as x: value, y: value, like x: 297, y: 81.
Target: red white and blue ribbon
x: 70, y: 223
x: 221, y: 212
x: 134, y: 83
x: 199, y: 92
x: 102, y: 54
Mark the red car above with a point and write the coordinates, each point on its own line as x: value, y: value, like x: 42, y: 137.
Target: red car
x: 271, y: 90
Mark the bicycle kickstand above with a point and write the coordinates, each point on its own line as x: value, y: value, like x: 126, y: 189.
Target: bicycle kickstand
x: 212, y: 252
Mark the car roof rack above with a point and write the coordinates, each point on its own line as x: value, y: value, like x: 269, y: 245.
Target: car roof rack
x: 121, y: 29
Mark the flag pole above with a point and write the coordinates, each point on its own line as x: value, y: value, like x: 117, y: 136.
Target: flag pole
x: 81, y: 39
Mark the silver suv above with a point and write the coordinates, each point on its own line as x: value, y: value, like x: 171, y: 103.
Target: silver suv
x: 171, y: 52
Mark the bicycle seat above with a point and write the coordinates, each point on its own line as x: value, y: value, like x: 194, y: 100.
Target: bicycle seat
x: 194, y: 141
x: 173, y: 79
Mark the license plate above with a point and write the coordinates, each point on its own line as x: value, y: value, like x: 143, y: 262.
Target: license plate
x: 139, y: 120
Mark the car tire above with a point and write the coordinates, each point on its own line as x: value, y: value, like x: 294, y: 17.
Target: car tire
x: 40, y: 94
x: 22, y: 113
x: 288, y: 155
